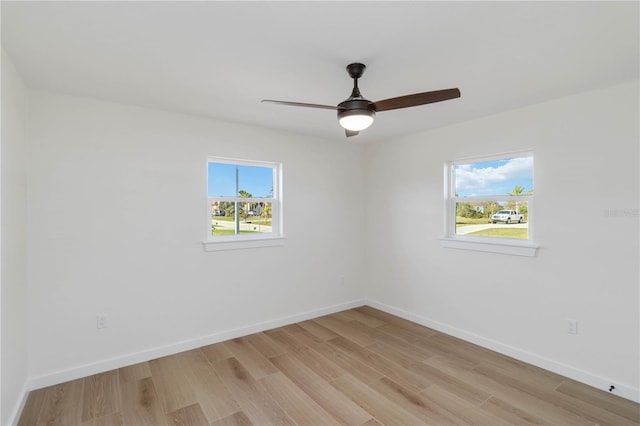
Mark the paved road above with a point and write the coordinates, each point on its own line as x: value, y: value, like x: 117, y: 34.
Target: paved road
x: 467, y: 229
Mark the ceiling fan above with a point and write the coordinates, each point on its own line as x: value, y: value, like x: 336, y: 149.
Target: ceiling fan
x: 356, y: 113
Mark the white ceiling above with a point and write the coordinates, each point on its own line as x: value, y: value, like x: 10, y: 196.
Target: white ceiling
x: 219, y: 59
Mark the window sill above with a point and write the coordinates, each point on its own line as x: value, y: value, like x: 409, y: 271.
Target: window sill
x: 241, y: 243
x: 514, y: 248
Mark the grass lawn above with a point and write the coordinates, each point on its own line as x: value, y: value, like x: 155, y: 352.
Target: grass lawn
x: 519, y: 233
x: 217, y: 232
x: 253, y: 219
x: 462, y: 221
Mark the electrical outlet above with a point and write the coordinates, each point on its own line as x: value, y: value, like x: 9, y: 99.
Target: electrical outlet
x: 572, y: 326
x: 101, y: 321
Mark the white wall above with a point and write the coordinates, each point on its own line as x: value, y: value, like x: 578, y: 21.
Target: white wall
x: 586, y: 222
x: 117, y: 208
x: 13, y: 281
x: 115, y: 202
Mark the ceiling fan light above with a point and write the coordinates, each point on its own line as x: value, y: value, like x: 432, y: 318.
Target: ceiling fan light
x: 356, y: 120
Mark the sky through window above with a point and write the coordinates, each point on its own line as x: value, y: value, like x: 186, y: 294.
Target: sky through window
x: 498, y: 177
x: 258, y: 181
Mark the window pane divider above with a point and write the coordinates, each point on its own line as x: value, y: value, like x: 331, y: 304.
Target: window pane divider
x: 494, y: 198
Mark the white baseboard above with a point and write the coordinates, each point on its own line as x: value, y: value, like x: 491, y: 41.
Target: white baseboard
x: 17, y: 409
x: 173, y: 348
x: 602, y: 383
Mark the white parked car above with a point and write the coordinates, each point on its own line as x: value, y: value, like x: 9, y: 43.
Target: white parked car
x: 507, y: 216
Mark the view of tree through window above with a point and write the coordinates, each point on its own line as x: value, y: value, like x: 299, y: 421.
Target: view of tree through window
x: 492, y: 198
x: 241, y: 197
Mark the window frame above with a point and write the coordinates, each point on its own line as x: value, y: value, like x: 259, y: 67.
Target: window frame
x: 511, y: 246
x: 240, y: 241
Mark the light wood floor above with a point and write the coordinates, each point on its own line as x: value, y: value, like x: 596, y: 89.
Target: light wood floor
x: 357, y: 367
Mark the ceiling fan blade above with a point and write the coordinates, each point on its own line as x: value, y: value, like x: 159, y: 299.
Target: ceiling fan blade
x: 350, y: 133
x: 416, y: 99
x: 300, y: 104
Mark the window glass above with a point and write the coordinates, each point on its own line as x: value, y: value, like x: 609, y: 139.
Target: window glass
x: 508, y: 176
x: 244, y: 200
x: 491, y: 198
x: 497, y: 219
x: 255, y: 181
x: 221, y: 180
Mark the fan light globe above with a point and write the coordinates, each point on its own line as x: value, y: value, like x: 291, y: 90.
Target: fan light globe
x: 356, y: 120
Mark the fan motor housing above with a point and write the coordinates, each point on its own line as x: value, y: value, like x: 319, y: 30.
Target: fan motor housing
x: 354, y: 105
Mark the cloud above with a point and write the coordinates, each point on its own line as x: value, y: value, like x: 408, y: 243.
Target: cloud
x: 491, y: 178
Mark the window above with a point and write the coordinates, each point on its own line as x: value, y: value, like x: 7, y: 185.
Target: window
x: 490, y: 204
x: 244, y: 203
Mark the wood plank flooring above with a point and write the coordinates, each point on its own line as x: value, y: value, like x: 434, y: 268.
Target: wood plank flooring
x: 357, y: 367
